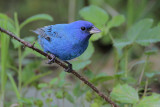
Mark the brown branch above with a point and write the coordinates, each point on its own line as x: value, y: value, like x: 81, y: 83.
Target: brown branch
x: 62, y: 64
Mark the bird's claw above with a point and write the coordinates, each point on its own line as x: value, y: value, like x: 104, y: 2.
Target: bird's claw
x: 50, y: 61
x: 33, y: 44
x: 69, y: 68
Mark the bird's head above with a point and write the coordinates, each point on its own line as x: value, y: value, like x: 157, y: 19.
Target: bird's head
x: 83, y: 29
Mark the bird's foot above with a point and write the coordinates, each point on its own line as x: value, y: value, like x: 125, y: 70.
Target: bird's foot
x: 69, y: 69
x: 33, y: 44
x: 50, y: 61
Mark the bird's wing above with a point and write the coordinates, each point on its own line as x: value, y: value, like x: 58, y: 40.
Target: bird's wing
x: 47, y: 32
x: 41, y: 31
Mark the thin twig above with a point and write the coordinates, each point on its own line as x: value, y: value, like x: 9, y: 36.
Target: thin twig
x: 62, y: 64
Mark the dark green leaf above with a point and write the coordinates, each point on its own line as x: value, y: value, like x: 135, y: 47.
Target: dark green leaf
x: 150, y: 101
x: 140, y: 33
x: 35, y: 18
x: 101, y: 79
x: 69, y: 97
x: 59, y: 94
x: 151, y: 51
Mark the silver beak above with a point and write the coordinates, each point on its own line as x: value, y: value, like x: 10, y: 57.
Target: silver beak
x: 94, y: 30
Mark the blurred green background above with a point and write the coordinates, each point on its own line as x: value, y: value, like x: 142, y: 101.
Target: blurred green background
x: 122, y: 61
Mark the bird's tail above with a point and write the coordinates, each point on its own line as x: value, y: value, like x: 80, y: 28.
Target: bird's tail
x: 37, y: 31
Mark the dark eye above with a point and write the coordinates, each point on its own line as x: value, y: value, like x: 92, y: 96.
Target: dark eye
x: 83, y: 28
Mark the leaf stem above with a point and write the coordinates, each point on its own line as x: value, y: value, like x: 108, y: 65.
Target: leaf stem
x: 116, y: 52
x: 126, y: 61
x: 142, y: 73
x: 130, y: 12
x: 145, y: 89
x: 19, y: 54
x: 4, y: 58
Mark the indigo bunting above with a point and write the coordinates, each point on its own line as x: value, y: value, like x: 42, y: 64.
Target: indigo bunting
x: 66, y: 41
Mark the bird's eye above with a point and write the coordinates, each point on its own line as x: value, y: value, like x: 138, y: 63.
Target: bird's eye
x: 83, y: 28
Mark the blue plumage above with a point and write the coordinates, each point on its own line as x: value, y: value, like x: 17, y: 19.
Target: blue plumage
x: 66, y: 41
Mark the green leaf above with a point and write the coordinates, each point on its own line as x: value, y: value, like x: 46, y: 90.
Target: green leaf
x: 78, y: 90
x: 140, y: 33
x: 150, y: 101
x: 9, y: 22
x: 53, y: 81
x: 96, y: 36
x: 39, y: 103
x: 95, y: 105
x: 14, y: 86
x: 94, y: 14
x: 35, y: 18
x: 29, y: 101
x: 116, y: 21
x: 77, y: 65
x: 59, y: 94
x: 125, y: 94
x: 3, y: 16
x: 16, y: 43
x: 139, y: 29
x: 152, y: 74
x: 152, y: 51
x: 89, y: 96
x: 42, y: 85
x: 30, y: 51
x: 34, y: 78
x: 101, y: 78
x: 69, y: 97
x: 28, y: 71
x: 62, y: 80
x: 121, y: 43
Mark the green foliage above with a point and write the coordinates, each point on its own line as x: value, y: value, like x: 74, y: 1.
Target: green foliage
x: 35, y: 18
x: 124, y: 94
x: 149, y: 101
x: 94, y: 14
x: 14, y: 27
x: 101, y: 78
x: 4, y: 52
x: 14, y: 86
x: 140, y: 33
x: 25, y: 69
x: 116, y: 21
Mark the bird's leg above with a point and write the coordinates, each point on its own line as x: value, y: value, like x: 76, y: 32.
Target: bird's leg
x: 50, y: 61
x: 69, y: 69
x: 33, y: 44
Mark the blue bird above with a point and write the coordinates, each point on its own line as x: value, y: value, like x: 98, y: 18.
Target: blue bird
x: 66, y: 41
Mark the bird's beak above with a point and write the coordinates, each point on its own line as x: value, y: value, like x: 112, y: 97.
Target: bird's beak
x: 94, y: 30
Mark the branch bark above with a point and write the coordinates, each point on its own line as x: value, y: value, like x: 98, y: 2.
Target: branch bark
x: 62, y: 64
